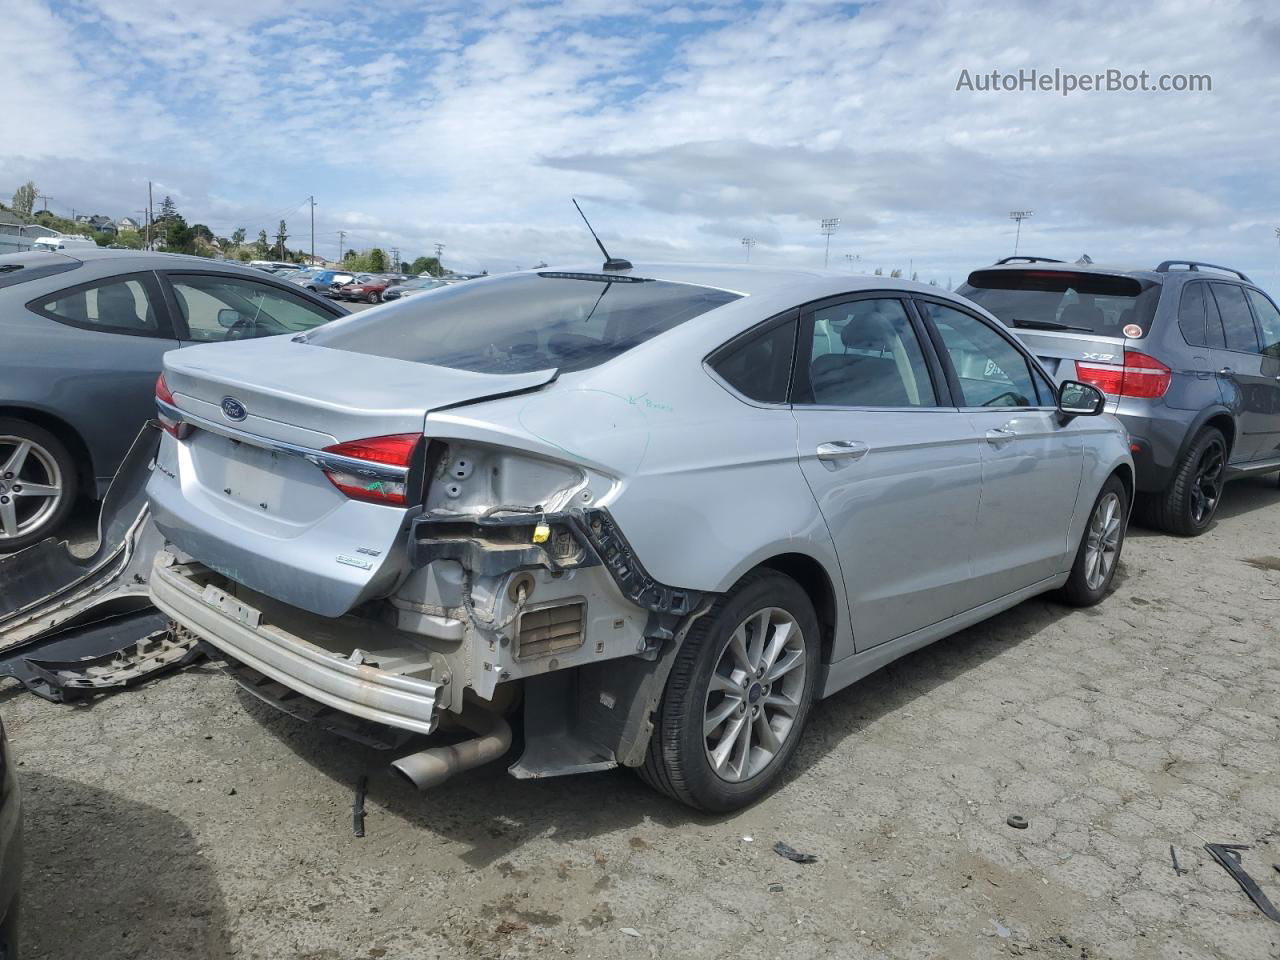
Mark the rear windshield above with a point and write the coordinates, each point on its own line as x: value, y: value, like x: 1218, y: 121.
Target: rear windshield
x: 524, y: 322
x: 1097, y: 303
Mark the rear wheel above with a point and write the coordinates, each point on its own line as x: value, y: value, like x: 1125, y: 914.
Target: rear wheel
x: 1187, y: 507
x: 1099, y: 554
x: 375, y: 297
x: 738, y: 696
x: 37, y: 484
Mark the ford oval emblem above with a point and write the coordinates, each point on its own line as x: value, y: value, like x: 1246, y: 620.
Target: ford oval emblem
x: 233, y: 409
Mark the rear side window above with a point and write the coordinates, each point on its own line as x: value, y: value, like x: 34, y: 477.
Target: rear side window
x: 1098, y: 303
x: 118, y: 305
x: 1237, y: 321
x: 759, y: 365
x: 1191, y: 315
x: 524, y: 322
x: 1268, y: 321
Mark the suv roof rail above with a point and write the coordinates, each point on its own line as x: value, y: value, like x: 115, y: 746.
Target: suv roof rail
x: 1195, y: 265
x: 1021, y: 259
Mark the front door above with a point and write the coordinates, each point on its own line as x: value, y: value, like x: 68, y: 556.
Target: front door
x: 1031, y: 460
x: 895, y: 472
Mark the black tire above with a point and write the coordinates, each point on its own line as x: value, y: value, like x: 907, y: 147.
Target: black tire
x: 677, y: 763
x: 1180, y: 508
x: 375, y: 297
x: 1080, y: 590
x: 55, y: 450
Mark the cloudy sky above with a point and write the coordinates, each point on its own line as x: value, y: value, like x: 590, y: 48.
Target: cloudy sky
x: 681, y: 127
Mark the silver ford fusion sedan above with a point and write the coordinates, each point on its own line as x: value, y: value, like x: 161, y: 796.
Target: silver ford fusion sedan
x: 655, y: 510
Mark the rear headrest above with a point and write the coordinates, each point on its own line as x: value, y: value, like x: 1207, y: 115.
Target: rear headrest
x: 867, y: 329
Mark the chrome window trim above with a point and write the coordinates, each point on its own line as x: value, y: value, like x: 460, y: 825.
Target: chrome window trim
x: 320, y: 458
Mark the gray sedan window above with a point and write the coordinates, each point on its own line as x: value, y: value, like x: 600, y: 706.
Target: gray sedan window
x: 118, y: 305
x: 991, y: 371
x: 865, y: 354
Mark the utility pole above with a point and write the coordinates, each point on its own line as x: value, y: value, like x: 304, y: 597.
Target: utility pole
x: 395, y: 259
x: 342, y: 235
x: 748, y: 242
x: 45, y: 208
x: 828, y: 226
x: 1019, y: 216
x: 150, y: 216
x: 313, y: 230
x: 439, y: 249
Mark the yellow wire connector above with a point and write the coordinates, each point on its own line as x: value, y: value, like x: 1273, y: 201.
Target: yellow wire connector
x: 541, y: 533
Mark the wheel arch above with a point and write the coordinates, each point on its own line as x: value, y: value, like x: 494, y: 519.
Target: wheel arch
x: 815, y: 581
x: 70, y: 437
x: 1219, y: 417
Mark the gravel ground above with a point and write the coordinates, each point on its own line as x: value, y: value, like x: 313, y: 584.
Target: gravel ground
x: 186, y: 819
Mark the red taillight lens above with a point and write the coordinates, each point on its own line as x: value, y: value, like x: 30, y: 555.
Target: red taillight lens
x: 168, y: 424
x: 392, y: 451
x: 1141, y: 376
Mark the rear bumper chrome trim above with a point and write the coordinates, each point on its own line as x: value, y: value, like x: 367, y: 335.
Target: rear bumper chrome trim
x: 408, y: 703
x: 321, y: 458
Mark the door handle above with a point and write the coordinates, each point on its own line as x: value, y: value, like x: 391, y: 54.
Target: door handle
x: 999, y: 435
x: 1226, y: 372
x: 836, y: 450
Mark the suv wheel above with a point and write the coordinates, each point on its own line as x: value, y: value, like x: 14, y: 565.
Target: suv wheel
x: 37, y: 484
x: 737, y: 697
x: 1187, y: 507
x: 1099, y: 554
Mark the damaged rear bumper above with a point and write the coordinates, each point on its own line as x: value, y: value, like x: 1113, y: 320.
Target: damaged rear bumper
x: 332, y: 670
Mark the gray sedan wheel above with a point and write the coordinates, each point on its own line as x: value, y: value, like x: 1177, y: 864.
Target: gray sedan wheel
x: 738, y: 695
x: 37, y: 484
x: 1098, y: 556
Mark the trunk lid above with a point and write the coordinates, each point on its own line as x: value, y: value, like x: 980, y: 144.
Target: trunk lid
x: 243, y: 492
x: 1059, y: 352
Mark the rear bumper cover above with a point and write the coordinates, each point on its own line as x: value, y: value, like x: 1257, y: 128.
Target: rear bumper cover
x: 409, y: 703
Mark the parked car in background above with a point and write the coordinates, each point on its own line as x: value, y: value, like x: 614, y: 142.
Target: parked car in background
x: 1187, y: 353
x: 411, y: 287
x: 83, y: 336
x: 686, y: 500
x: 271, y: 266
x: 368, y: 289
x: 62, y: 242
x: 324, y: 282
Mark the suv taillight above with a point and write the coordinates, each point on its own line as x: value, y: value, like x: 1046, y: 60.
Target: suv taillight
x: 392, y: 451
x: 171, y: 426
x: 1140, y: 376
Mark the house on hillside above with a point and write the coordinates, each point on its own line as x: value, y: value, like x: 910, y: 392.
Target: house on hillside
x: 127, y: 223
x: 96, y: 221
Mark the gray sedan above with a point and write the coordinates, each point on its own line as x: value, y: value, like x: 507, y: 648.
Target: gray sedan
x: 658, y: 509
x: 83, y: 334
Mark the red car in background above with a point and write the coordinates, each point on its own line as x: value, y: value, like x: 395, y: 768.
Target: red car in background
x: 367, y: 289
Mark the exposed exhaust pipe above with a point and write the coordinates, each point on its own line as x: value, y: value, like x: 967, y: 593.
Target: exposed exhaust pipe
x: 430, y: 768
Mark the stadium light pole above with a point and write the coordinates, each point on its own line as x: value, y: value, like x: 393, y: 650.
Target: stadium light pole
x: 828, y: 226
x: 748, y: 242
x: 852, y: 258
x: 1019, y: 216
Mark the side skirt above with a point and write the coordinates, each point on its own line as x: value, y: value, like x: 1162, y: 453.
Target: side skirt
x: 851, y: 669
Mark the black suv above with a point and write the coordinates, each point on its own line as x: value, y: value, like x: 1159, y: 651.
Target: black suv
x: 1188, y: 355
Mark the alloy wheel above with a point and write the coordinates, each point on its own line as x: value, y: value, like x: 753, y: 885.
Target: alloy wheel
x: 31, y: 487
x: 1206, y: 488
x: 755, y: 694
x: 1103, y: 543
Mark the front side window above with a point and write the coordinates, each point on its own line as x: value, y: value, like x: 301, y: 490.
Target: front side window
x: 864, y: 353
x: 231, y: 308
x: 523, y: 322
x: 1269, y: 322
x: 119, y: 305
x: 1237, y: 321
x: 991, y: 371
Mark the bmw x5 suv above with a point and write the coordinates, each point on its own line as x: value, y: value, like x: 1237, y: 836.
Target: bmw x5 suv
x: 1188, y: 355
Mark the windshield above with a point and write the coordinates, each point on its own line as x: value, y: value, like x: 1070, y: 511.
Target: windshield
x: 1053, y: 300
x: 524, y: 322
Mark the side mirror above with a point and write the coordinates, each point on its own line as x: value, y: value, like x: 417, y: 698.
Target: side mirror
x: 1076, y: 399
x: 228, y: 318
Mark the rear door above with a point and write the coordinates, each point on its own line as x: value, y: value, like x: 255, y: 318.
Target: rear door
x: 1031, y: 461
x: 895, y: 469
x: 1247, y: 389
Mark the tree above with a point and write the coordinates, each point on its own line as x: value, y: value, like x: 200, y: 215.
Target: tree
x: 237, y: 238
x: 377, y: 260
x: 915, y: 275
x: 933, y: 283
x: 168, y: 209
x: 263, y: 246
x: 24, y: 199
x: 425, y: 265
x: 243, y: 255
x: 282, y: 234
x: 129, y: 239
x: 879, y: 272
x: 896, y: 274
x: 202, y: 232
x: 178, y: 237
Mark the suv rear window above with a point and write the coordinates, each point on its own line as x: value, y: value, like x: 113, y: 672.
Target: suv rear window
x: 1053, y: 300
x: 523, y: 322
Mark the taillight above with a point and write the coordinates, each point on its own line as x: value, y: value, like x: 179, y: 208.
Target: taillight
x: 168, y: 423
x: 363, y: 480
x: 1140, y: 376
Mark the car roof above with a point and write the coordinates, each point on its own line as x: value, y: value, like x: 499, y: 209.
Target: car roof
x: 127, y: 259
x: 757, y: 280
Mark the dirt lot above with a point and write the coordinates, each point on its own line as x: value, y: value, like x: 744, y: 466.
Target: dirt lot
x: 186, y: 819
